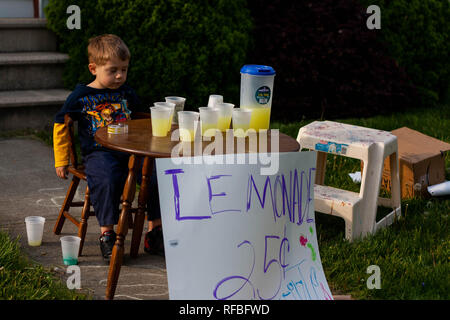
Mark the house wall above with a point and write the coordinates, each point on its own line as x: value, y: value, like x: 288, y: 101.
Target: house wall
x: 20, y: 8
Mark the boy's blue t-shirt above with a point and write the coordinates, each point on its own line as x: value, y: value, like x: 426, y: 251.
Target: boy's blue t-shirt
x: 95, y: 108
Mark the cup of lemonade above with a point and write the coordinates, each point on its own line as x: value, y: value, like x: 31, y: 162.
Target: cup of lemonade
x: 160, y: 117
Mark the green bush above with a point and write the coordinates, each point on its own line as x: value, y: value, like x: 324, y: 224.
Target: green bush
x: 417, y: 34
x: 190, y: 49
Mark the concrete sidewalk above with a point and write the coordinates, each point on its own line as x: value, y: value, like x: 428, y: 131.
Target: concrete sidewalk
x: 30, y: 187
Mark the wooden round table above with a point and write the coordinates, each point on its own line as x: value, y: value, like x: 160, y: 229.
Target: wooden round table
x: 140, y: 143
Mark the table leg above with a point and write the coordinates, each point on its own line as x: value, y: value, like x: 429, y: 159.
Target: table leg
x: 139, y: 218
x: 321, y: 166
x: 122, y: 229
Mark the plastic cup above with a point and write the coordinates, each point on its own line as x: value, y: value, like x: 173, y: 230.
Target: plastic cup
x: 188, y: 122
x: 241, y: 122
x: 256, y: 93
x: 170, y: 105
x: 209, y: 119
x: 160, y: 120
x: 214, y: 99
x: 70, y: 246
x: 179, y: 106
x: 35, y: 230
x: 225, y: 114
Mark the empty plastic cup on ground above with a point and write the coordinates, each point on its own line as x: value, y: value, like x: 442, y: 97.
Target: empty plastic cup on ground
x: 241, y: 122
x: 70, y: 246
x: 225, y: 113
x: 179, y: 106
x: 188, y: 121
x: 160, y: 120
x: 209, y: 118
x: 214, y: 99
x: 170, y: 105
x: 35, y: 230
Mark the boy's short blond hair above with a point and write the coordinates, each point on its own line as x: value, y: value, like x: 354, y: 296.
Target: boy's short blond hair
x: 106, y: 46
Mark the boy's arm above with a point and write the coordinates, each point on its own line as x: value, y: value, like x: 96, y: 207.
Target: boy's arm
x: 61, y: 145
x: 61, y: 138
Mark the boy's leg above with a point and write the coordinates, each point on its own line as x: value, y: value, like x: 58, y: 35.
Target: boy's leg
x: 106, y: 174
x: 154, y: 239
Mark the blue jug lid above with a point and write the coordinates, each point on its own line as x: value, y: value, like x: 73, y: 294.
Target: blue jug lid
x: 258, y: 70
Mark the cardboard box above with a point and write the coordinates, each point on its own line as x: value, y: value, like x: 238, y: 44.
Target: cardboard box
x: 422, y: 162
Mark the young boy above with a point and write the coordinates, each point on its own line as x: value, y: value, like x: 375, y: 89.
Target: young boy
x: 105, y: 100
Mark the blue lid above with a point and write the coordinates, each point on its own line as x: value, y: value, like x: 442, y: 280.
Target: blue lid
x: 257, y: 70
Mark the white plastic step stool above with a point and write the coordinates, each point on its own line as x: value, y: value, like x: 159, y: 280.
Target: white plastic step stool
x: 368, y: 145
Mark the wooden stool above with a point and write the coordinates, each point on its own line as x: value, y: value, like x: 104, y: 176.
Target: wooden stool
x: 370, y: 146
x: 78, y: 174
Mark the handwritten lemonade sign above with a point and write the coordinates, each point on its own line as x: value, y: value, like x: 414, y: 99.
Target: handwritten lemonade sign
x: 232, y: 233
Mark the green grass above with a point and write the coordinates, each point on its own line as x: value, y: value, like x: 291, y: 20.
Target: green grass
x: 413, y: 253
x: 20, y: 279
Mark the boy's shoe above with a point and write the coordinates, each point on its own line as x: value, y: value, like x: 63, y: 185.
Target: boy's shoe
x: 154, y: 243
x: 107, y: 240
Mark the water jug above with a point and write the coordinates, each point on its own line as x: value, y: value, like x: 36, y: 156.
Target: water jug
x: 257, y: 93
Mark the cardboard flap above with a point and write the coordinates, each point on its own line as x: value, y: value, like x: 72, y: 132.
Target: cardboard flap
x: 414, y: 146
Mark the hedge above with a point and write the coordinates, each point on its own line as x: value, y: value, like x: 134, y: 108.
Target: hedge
x: 189, y: 49
x: 328, y: 63
x: 417, y: 35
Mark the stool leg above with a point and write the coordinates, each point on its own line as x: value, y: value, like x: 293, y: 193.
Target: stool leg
x: 122, y: 229
x: 84, y: 218
x: 66, y: 205
x: 365, y: 219
x: 147, y: 168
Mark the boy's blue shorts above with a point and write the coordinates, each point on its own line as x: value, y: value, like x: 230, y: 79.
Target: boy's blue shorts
x: 106, y: 173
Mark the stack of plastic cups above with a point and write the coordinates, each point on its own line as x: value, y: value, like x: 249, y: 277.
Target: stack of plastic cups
x: 214, y: 99
x: 179, y: 106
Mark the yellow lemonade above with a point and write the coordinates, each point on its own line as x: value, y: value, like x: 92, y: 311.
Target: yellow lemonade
x: 240, y: 130
x: 170, y: 123
x: 209, y: 129
x: 260, y: 117
x: 159, y: 126
x: 224, y: 123
x: 186, y: 135
x: 35, y: 243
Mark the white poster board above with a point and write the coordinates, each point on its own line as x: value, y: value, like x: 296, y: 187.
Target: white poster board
x: 232, y: 233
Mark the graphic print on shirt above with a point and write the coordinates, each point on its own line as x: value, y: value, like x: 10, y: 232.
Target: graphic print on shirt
x: 104, y: 109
